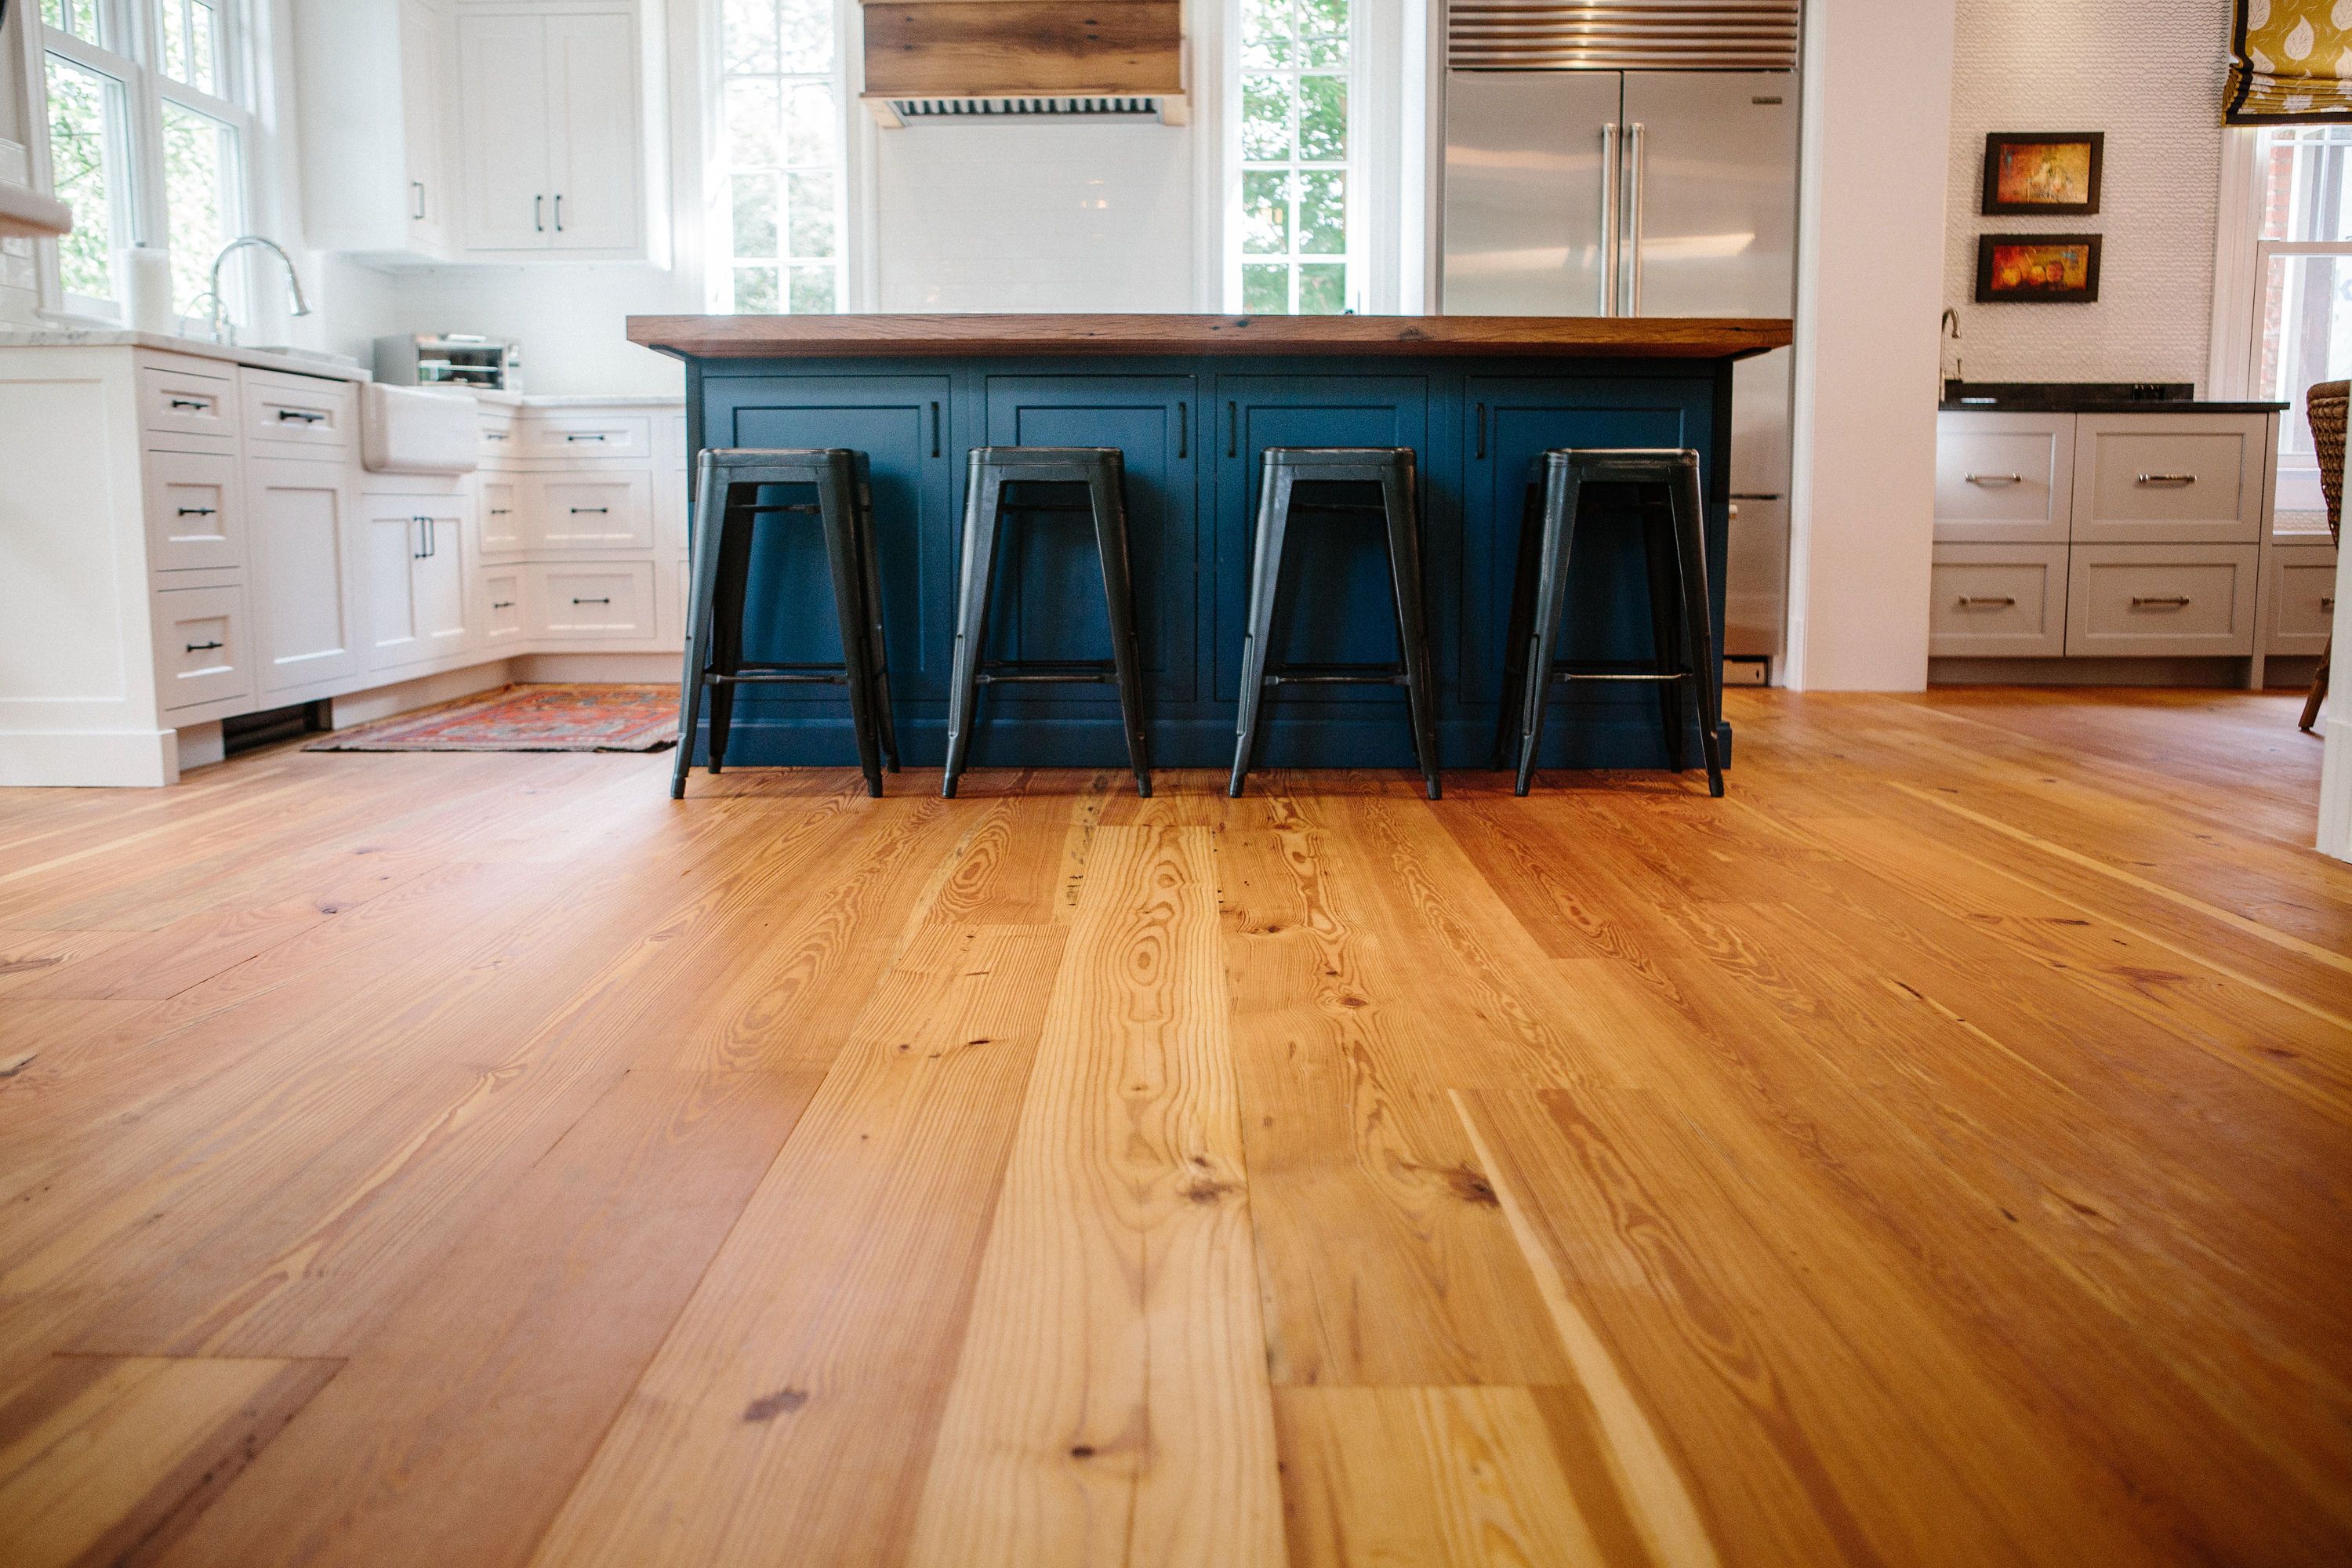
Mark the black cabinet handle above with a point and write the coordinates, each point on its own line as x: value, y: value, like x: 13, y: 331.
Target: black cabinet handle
x: 592, y: 601
x: 420, y: 549
x: 501, y: 511
x: 559, y: 212
x: 596, y: 511
x: 195, y: 512
x: 418, y: 187
x: 1233, y: 429
x: 935, y: 430
x: 502, y: 603
x: 494, y: 435
x: 580, y: 436
x: 190, y: 402
x: 202, y: 647
x: 1482, y: 430
x: 298, y: 415
x: 537, y: 214
x: 1183, y: 431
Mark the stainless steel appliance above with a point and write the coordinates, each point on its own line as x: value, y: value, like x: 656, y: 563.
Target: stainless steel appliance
x: 1616, y: 158
x: 450, y: 359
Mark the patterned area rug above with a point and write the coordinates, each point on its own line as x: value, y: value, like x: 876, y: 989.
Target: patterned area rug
x: 526, y: 718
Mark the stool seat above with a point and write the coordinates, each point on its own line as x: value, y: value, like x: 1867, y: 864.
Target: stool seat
x: 1283, y: 471
x: 728, y: 483
x: 1570, y: 487
x: 1101, y: 472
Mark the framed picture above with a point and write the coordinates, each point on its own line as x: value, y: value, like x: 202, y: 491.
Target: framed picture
x: 2037, y: 269
x: 2052, y: 172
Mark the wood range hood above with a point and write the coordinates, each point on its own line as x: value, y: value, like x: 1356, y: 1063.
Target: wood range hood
x: 938, y: 61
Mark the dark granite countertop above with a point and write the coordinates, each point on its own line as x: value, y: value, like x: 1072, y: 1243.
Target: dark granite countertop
x: 2088, y: 397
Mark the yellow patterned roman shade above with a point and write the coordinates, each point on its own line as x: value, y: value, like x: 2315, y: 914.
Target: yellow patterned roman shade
x: 2291, y: 63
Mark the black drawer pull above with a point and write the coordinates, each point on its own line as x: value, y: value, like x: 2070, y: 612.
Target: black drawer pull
x: 501, y: 511
x: 502, y: 603
x: 1998, y: 601
x: 594, y: 510
x: 197, y: 402
x: 1482, y: 430
x: 584, y: 436
x: 494, y: 435
x: 1233, y: 429
x: 935, y: 430
x: 195, y: 512
x: 592, y: 601
x: 2160, y: 601
x: 1183, y: 431
x: 203, y: 647
x: 299, y: 415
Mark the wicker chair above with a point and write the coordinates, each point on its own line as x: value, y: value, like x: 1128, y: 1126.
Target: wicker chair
x: 2326, y: 405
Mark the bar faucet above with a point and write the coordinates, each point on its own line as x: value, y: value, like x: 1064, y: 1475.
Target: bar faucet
x: 1949, y: 331
x: 223, y: 330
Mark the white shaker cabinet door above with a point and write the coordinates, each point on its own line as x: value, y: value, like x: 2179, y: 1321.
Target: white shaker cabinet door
x: 441, y: 585
x: 423, y: 111
x: 392, y: 548
x: 302, y: 582
x: 503, y: 88
x: 596, y: 190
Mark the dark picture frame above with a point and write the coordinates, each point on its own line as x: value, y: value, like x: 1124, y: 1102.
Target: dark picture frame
x: 2005, y: 151
x: 1996, y: 285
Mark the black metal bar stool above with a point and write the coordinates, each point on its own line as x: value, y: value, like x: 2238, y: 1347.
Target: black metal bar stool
x: 1573, y: 487
x: 988, y: 497
x: 726, y: 491
x: 1284, y: 470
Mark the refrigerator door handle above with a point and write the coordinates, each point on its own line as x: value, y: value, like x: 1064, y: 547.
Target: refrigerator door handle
x: 1630, y: 283
x: 1609, y: 180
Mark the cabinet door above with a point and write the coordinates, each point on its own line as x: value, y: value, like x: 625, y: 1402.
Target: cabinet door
x: 422, y: 113
x: 441, y: 582
x: 593, y: 133
x: 1049, y: 598
x: 392, y: 548
x: 1336, y: 603
x: 503, y: 79
x: 304, y: 584
x: 903, y: 424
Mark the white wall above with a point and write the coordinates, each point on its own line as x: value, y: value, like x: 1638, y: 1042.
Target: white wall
x: 2150, y: 76
x: 1869, y: 281
x: 1065, y: 216
x: 571, y: 321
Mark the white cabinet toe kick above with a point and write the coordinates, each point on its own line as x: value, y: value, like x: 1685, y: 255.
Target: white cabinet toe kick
x: 186, y: 539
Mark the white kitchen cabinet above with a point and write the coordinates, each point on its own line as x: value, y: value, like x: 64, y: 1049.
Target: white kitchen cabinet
x: 304, y: 587
x: 504, y: 529
x: 417, y: 581
x: 374, y: 113
x: 552, y: 132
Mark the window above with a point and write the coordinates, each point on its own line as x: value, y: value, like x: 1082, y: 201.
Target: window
x: 2303, y: 277
x: 778, y: 165
x: 1293, y: 249
x: 147, y: 136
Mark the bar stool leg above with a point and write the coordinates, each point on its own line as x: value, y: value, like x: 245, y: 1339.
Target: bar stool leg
x: 1508, y: 702
x: 982, y: 502
x: 727, y: 613
x: 836, y: 502
x: 1107, y: 491
x: 1398, y: 507
x: 1698, y: 628
x: 1265, y: 579
x: 707, y: 507
x: 877, y: 653
x: 1662, y: 556
x: 1564, y: 492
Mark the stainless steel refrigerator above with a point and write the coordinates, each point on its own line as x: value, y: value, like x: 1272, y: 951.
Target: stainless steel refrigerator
x: 1573, y: 191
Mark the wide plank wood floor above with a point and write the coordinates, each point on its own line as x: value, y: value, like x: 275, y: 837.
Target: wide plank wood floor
x: 1937, y: 1153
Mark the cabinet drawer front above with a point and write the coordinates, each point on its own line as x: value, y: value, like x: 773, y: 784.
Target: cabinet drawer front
x: 2004, y: 477
x: 2303, y: 600
x: 195, y: 512
x: 502, y: 518
x: 203, y: 653
x: 2179, y: 478
x: 587, y: 436
x: 605, y: 512
x: 502, y: 607
x: 303, y: 412
x: 497, y: 433
x: 188, y: 412
x: 2006, y: 601
x: 594, y: 601
x: 2127, y: 600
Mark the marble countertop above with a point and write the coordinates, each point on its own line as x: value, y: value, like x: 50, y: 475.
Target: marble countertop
x: 199, y: 348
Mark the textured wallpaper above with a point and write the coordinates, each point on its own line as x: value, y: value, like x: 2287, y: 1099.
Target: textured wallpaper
x: 2149, y: 73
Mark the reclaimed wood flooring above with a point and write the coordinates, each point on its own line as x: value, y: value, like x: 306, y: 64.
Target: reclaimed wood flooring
x: 1939, y: 1152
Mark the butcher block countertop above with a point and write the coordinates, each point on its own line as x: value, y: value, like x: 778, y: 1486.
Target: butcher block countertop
x: 1544, y: 337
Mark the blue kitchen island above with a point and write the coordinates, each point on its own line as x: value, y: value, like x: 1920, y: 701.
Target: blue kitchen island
x: 1192, y: 400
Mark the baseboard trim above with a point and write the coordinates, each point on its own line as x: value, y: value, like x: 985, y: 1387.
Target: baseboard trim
x: 89, y: 759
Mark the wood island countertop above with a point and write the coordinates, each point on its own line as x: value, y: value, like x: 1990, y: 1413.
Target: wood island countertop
x: 1543, y: 337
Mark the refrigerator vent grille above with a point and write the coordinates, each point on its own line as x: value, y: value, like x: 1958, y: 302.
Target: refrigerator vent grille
x: 1622, y: 35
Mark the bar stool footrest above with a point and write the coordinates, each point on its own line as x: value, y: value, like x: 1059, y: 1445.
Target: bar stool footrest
x: 1337, y: 675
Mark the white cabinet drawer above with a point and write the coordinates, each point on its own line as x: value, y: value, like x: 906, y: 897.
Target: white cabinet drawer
x: 2170, y: 479
x: 298, y: 413
x: 195, y: 512
x: 2004, y: 478
x: 546, y: 433
x: 504, y: 529
x: 497, y: 433
x: 1998, y: 601
x: 2143, y: 600
x: 602, y: 512
x: 186, y: 411
x: 502, y: 608
x: 2301, y: 600
x: 202, y: 652
x: 593, y: 600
